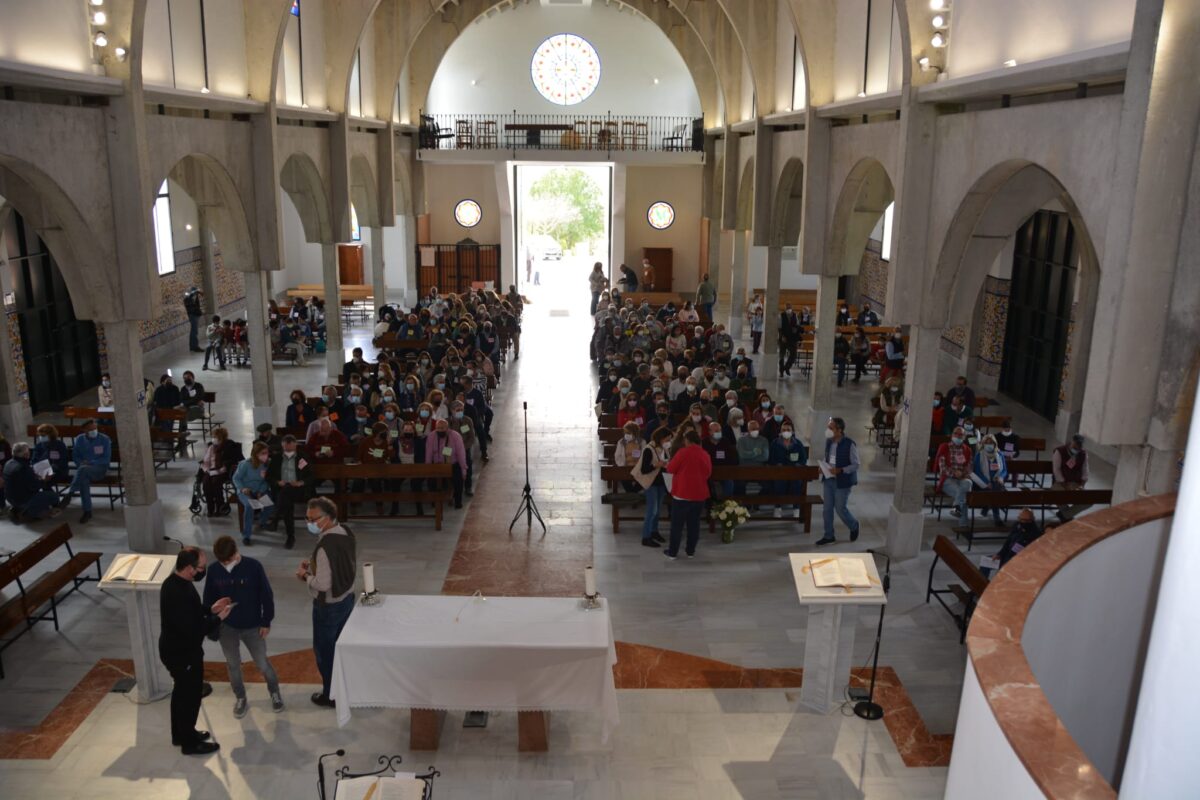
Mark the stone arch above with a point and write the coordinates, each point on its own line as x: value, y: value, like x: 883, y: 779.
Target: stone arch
x: 865, y: 195
x: 362, y: 192
x: 745, y: 199
x: 212, y: 188
x: 992, y: 211
x: 786, y: 216
x: 85, y: 259
x: 402, y: 186
x: 301, y: 181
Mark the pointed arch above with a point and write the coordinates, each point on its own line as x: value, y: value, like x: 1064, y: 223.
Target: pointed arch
x: 866, y: 193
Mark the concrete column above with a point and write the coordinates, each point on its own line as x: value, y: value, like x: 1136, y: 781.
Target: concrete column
x: 769, y: 367
x: 821, y: 403
x: 906, y: 518
x: 15, y: 414
x: 737, y: 282
x: 143, y: 509
x: 208, y: 261
x: 412, y: 288
x: 262, y: 377
x: 335, y: 354
x: 378, y: 278
x: 619, y: 180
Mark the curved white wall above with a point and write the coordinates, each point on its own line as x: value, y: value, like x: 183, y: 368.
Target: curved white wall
x: 986, y: 33
x: 496, y: 53
x: 48, y: 33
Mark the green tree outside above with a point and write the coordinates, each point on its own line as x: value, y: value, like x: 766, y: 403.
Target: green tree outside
x: 568, y: 206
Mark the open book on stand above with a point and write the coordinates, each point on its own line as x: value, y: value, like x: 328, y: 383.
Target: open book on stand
x: 134, y: 569
x: 850, y: 573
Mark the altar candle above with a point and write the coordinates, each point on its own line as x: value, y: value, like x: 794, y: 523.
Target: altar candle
x: 589, y: 581
x: 369, y: 577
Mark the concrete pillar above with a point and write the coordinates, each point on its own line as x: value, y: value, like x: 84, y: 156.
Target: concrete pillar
x: 208, y: 262
x: 620, y: 179
x: 821, y: 403
x: 262, y: 377
x: 737, y: 282
x: 906, y: 518
x: 143, y: 509
x: 335, y: 354
x: 412, y: 288
x: 770, y: 345
x: 378, y: 278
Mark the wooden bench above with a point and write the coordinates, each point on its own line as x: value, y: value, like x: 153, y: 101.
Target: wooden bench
x: 799, y: 298
x: 342, y: 474
x: 22, y: 609
x: 656, y: 299
x: 945, y: 550
x: 112, y: 485
x: 1035, y: 499
x: 392, y: 341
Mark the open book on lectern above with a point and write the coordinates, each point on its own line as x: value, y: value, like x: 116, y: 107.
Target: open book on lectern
x: 135, y: 569
x: 832, y: 572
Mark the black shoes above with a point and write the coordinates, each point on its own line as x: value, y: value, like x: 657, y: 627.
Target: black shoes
x: 323, y: 700
x: 650, y: 543
x: 200, y: 748
x: 854, y: 535
x: 85, y: 517
x: 205, y: 691
x: 200, y: 736
x: 290, y: 542
x: 825, y: 541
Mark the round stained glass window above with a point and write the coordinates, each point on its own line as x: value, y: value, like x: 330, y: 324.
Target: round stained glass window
x: 660, y: 215
x: 468, y: 213
x: 565, y: 69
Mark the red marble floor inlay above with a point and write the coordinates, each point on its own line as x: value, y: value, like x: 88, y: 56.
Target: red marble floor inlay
x: 638, y: 667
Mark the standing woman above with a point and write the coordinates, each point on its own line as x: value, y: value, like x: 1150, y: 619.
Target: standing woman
x: 648, y: 473
x: 597, y: 283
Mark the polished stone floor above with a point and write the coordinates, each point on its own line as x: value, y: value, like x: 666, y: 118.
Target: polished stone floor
x: 734, y: 603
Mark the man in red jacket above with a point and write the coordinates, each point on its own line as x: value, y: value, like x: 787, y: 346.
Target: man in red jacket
x: 690, y: 469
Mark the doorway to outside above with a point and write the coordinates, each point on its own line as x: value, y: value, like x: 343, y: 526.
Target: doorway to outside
x: 564, y: 226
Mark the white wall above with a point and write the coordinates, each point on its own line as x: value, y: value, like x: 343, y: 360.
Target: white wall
x: 156, y: 54
x: 302, y: 261
x: 287, y: 82
x: 748, y: 106
x: 446, y: 185
x: 49, y: 33
x: 985, y: 33
x: 681, y: 187
x: 850, y: 39
x: 226, y: 47
x: 496, y: 53
x: 183, y: 214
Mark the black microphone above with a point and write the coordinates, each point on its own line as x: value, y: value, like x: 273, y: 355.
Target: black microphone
x: 176, y: 541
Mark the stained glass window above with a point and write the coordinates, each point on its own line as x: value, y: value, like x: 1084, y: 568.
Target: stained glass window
x: 565, y: 69
x: 660, y: 215
x: 468, y: 213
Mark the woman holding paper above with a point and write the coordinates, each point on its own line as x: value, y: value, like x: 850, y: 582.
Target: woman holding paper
x: 49, y: 447
x: 253, y: 491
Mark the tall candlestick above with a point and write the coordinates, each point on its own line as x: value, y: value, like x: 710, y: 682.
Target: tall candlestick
x: 369, y: 577
x: 589, y: 581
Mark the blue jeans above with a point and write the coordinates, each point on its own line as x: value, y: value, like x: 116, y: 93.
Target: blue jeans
x: 835, y: 500
x: 82, y: 483
x: 957, y: 490
x: 328, y: 619
x: 786, y: 488
x: 264, y: 515
x: 654, y: 499
x: 684, y: 511
x: 708, y: 310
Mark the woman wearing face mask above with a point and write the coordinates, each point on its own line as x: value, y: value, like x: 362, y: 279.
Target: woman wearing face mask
x: 373, y: 448
x: 631, y: 413
x: 990, y: 470
x: 1007, y: 441
x: 250, y: 480
x: 939, y: 413
x: 953, y: 463
x: 221, y: 458
x: 299, y: 414
x: 362, y: 425
x: 48, y: 447
x: 438, y: 404
x: 891, y: 397
x: 763, y: 413
x: 424, y: 422
x: 104, y: 392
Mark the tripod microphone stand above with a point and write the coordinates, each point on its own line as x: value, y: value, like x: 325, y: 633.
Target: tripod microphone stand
x: 869, y: 709
x: 527, y: 507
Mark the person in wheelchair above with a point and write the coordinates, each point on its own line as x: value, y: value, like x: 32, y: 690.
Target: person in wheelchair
x: 221, y: 458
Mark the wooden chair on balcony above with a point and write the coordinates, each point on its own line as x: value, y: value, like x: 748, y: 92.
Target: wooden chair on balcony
x: 595, y: 133
x: 486, y: 135
x: 641, y: 136
x: 628, y: 136
x: 582, y: 139
x: 609, y: 135
x: 463, y: 139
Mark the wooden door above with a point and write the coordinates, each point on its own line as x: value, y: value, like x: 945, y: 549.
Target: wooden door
x: 350, y: 264
x: 662, y: 259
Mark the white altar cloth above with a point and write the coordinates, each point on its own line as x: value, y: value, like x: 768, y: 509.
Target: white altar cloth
x: 458, y: 653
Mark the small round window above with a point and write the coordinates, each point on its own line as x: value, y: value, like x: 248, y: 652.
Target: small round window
x: 661, y: 216
x: 468, y: 213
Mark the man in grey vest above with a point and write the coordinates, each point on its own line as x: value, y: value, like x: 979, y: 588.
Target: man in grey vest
x: 330, y: 575
x: 841, y: 459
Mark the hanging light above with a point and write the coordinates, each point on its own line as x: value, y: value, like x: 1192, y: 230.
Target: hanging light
x: 121, y: 53
x: 939, y: 21
x: 923, y: 62
x: 100, y: 39
x: 938, y: 40
x: 938, y: 5
x: 203, y: 90
x: 97, y: 2
x: 99, y: 18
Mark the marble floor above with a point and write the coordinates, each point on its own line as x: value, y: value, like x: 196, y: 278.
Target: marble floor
x: 734, y: 604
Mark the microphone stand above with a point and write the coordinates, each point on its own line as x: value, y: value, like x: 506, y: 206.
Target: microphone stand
x: 527, y: 507
x: 868, y: 709
x: 321, y: 772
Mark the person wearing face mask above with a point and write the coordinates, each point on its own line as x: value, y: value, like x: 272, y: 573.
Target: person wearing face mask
x: 244, y: 581
x: 290, y: 476
x: 866, y: 317
x: 938, y: 419
x: 843, y: 316
x: 731, y: 403
x: 687, y: 398
x: 972, y: 435
x: 1008, y: 441
x: 990, y: 470
x: 333, y: 404
x: 1024, y: 533
x: 329, y: 575
x: 735, y: 424
x: 956, y: 414
x: 690, y: 468
x: 48, y: 447
x: 104, y: 393
x: 92, y: 454
x: 221, y: 457
x: 299, y: 414
x: 762, y: 413
x: 775, y: 424
x: 629, y: 450
x: 327, y: 445
x: 841, y: 356
x: 24, y: 490
x: 362, y: 424
x: 1070, y: 463
x: 250, y: 481
x: 893, y: 353
x: 722, y: 451
x: 890, y: 399
x: 445, y: 446
x: 167, y: 398
x: 953, y: 463
x: 462, y: 419
x: 647, y: 472
x: 752, y: 449
x: 678, y: 384
x: 268, y: 436
x: 191, y: 394
x: 631, y: 412
x: 186, y: 621
x: 839, y: 476
x: 355, y: 366
x: 787, y: 451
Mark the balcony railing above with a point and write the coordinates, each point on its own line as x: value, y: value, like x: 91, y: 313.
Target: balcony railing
x: 515, y: 131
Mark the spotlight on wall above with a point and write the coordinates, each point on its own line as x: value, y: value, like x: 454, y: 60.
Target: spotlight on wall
x: 926, y: 65
x: 862, y: 94
x: 656, y: 81
x: 938, y: 5
x: 97, y: 2
x: 100, y: 39
x: 1012, y: 62
x: 304, y: 105
x: 474, y: 82
x: 187, y: 227
x: 938, y: 40
x: 204, y: 90
x: 939, y: 21
x: 99, y: 18
x: 121, y: 53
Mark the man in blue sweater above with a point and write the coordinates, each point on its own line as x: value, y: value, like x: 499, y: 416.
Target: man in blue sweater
x: 243, y: 580
x: 92, y: 454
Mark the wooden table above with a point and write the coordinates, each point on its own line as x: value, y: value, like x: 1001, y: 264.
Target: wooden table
x: 533, y: 130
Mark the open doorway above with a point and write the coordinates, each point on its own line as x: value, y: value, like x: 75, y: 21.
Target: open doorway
x: 564, y: 225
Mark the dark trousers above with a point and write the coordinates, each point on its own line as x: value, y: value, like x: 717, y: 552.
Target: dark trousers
x: 328, y: 619
x: 840, y: 363
x: 787, y: 356
x: 756, y: 339
x: 457, y: 481
x: 595, y: 302
x: 684, y: 511
x: 216, y: 352
x: 214, y: 492
x: 185, y: 698
x: 285, y: 502
x: 860, y: 364
x: 194, y: 332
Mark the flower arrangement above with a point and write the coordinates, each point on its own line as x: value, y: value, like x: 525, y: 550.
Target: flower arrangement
x: 730, y: 514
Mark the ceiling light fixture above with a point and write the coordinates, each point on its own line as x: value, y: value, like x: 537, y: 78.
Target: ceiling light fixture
x: 187, y: 227
x: 121, y: 53
x: 938, y: 40
x: 100, y: 39
x: 939, y: 21
x: 938, y: 5
x: 1012, y: 62
x: 99, y: 18
x: 204, y: 90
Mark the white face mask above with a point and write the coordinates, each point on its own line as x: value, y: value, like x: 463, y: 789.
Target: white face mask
x: 629, y: 437
x: 786, y: 434
x: 829, y: 434
x: 754, y: 434
x: 731, y: 403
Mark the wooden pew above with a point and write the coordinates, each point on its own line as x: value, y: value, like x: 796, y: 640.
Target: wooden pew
x: 392, y: 341
x: 21, y: 611
x: 342, y: 474
x: 1036, y: 499
x: 656, y: 299
x: 967, y: 572
x: 112, y: 485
